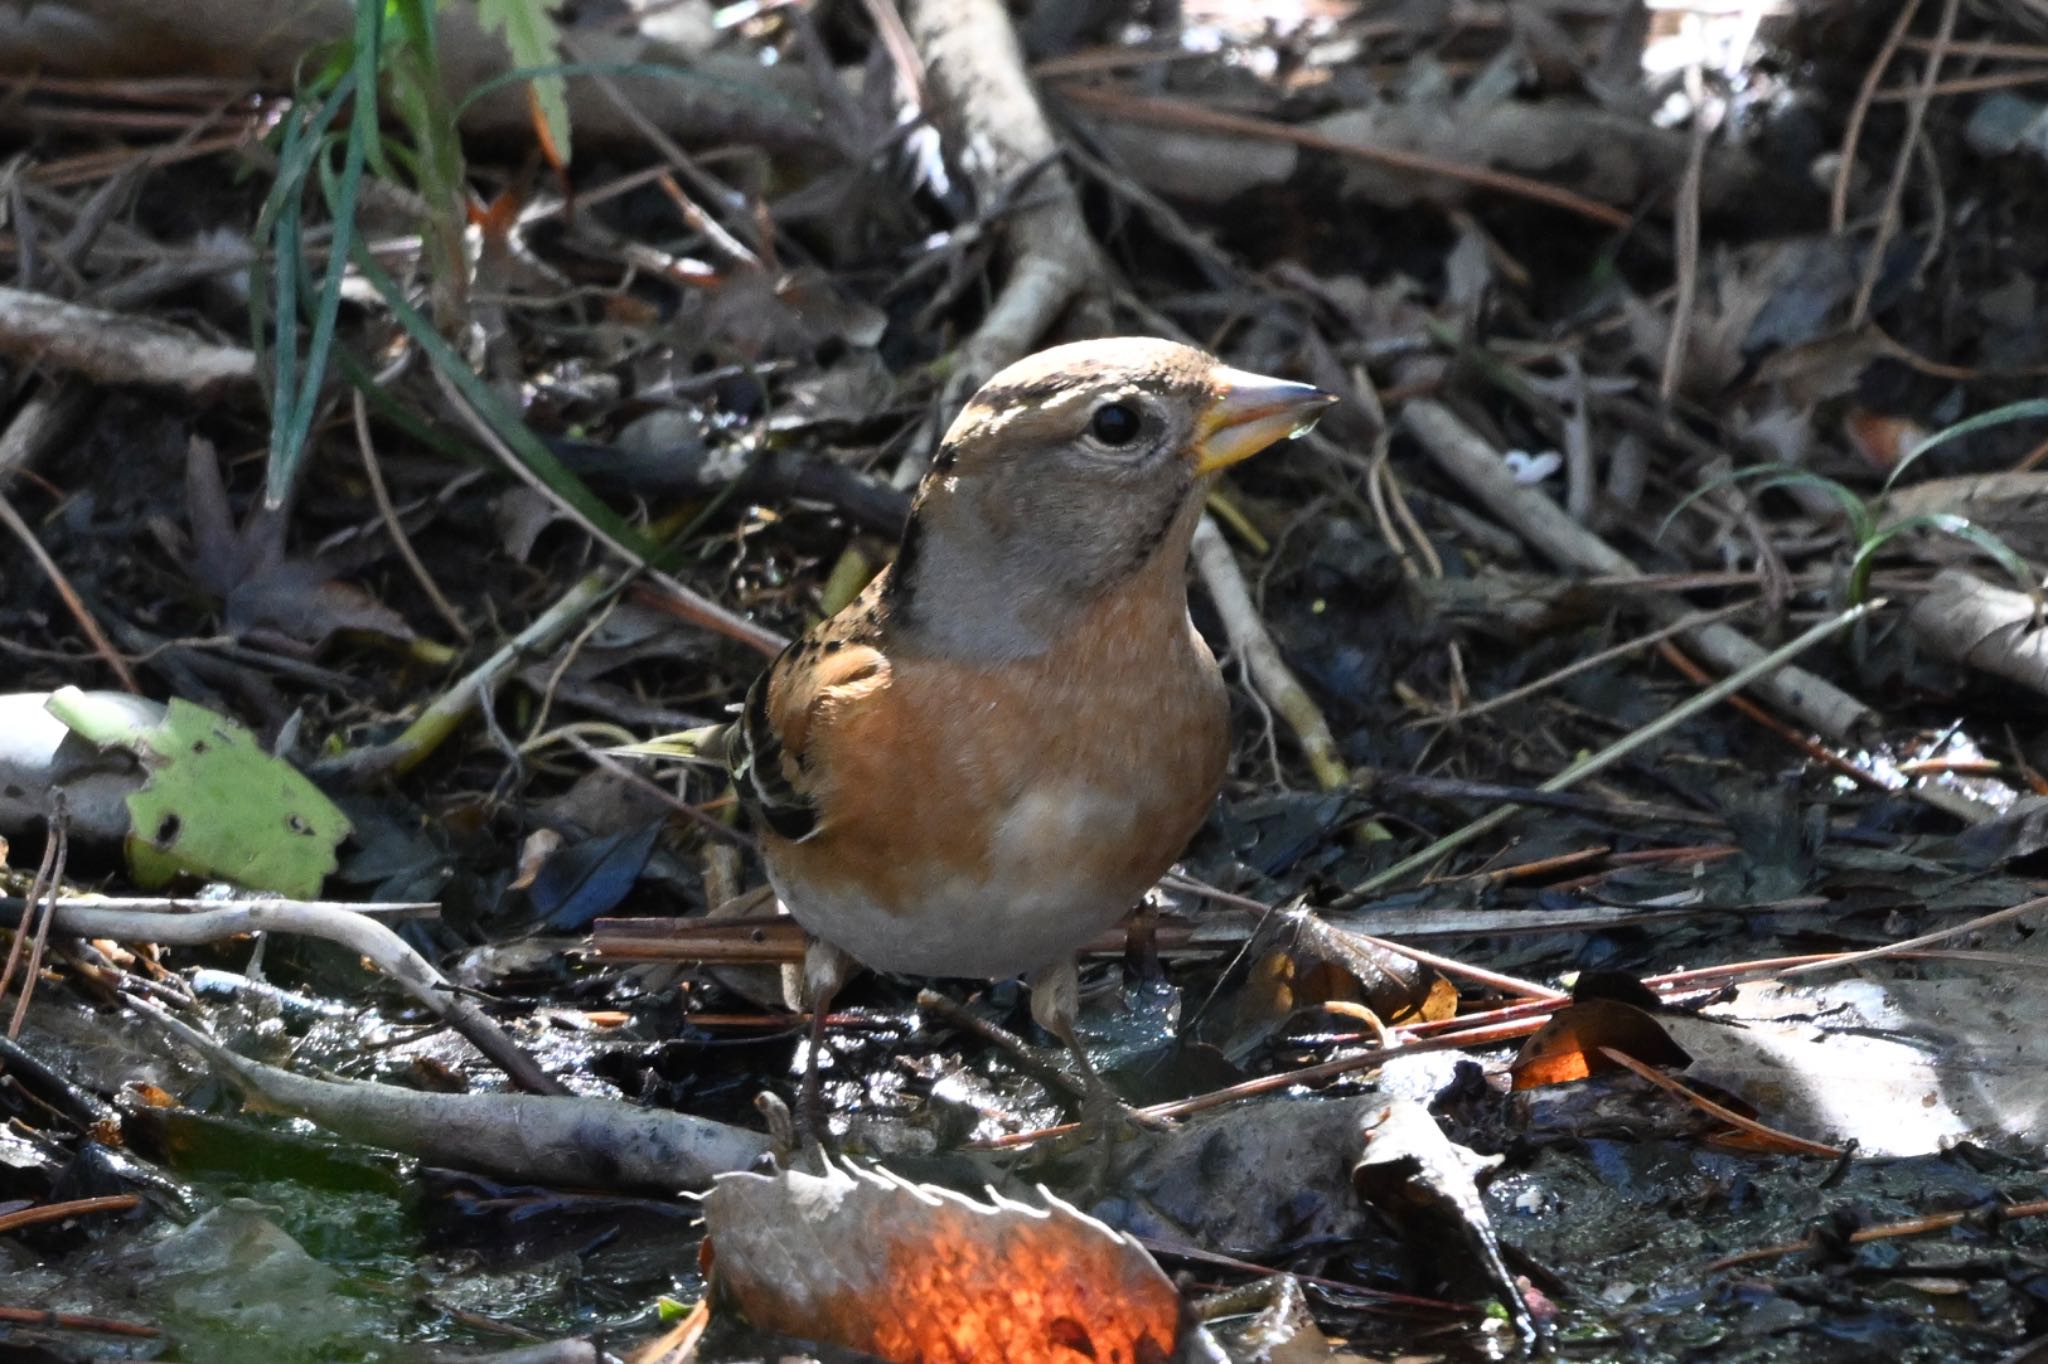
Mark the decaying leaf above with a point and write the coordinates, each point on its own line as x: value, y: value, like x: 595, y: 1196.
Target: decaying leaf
x: 1251, y: 1179
x: 1284, y: 1331
x: 265, y: 592
x: 216, y: 806
x: 1297, y: 961
x: 865, y: 1260
x: 1429, y: 1186
x: 1900, y: 1067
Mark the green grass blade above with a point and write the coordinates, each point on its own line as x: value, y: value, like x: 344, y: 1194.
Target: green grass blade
x: 291, y: 429
x: 1771, y: 476
x: 1960, y: 528
x: 527, y: 447
x: 1997, y: 416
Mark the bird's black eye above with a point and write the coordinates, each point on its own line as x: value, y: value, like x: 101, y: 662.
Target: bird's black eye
x: 1114, y: 424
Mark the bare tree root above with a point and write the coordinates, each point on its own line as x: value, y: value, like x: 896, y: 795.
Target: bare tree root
x: 985, y: 103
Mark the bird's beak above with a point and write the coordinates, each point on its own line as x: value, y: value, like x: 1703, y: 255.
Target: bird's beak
x: 1249, y: 413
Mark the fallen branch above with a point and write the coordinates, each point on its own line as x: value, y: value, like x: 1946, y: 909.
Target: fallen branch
x: 114, y: 348
x: 542, y: 1138
x: 335, y: 923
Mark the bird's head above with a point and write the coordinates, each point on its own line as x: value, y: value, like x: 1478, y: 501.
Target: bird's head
x: 1077, y: 468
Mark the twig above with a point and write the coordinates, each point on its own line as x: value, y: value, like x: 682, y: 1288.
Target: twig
x: 1614, y: 752
x: 1249, y: 636
x: 1051, y: 1076
x: 690, y: 605
x: 1173, y: 113
x: 1783, y: 1140
x: 1913, y: 1226
x: 1961, y: 85
x: 367, y: 448
x: 715, y: 827
x: 1467, y: 457
x: 25, y: 930
x: 58, y: 1212
x: 73, y: 1321
x: 60, y: 840
x: 1450, y: 966
x: 73, y: 603
x: 1820, y: 753
x: 896, y: 41
x: 1845, y: 170
x: 1685, y: 231
x: 1577, y: 666
x: 1284, y: 1080
x: 1888, y: 216
x: 337, y: 924
x: 448, y: 710
x: 1982, y: 921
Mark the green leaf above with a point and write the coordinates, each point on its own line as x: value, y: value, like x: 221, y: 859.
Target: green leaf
x: 216, y: 806
x: 530, y: 32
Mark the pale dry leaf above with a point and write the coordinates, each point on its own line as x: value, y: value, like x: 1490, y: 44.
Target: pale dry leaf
x: 863, y: 1259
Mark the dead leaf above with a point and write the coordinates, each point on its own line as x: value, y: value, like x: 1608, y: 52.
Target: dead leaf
x: 1567, y: 1048
x: 1297, y: 962
x: 862, y: 1259
x: 1428, y: 1185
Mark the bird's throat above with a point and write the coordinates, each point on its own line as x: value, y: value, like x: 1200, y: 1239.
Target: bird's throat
x: 978, y: 594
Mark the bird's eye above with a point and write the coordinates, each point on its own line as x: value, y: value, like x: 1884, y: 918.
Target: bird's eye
x: 1114, y: 424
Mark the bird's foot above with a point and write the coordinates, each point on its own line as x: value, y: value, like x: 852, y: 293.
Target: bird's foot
x: 1105, y: 1122
x: 1102, y: 1111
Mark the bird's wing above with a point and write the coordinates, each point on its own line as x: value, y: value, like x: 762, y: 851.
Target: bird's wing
x: 770, y: 747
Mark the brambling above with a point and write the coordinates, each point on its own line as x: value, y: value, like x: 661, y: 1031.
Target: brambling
x: 991, y: 755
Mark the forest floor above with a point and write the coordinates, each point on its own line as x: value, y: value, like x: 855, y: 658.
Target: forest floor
x: 1616, y: 930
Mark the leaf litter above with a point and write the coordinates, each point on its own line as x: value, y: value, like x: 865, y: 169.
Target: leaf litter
x: 1646, y: 371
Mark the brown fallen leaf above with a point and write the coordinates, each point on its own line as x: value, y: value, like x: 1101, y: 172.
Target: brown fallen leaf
x: 1568, y: 1047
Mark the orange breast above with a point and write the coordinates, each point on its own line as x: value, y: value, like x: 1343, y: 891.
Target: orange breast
x: 985, y: 821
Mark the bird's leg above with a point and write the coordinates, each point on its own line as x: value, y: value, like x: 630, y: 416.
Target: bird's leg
x: 826, y: 968
x: 1056, y: 1006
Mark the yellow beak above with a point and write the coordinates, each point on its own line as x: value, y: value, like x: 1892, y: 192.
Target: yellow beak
x: 1251, y: 412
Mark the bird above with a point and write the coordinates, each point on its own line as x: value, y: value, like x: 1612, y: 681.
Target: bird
x: 990, y: 755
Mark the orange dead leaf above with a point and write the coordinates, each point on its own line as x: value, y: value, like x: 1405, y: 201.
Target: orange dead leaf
x: 1568, y: 1047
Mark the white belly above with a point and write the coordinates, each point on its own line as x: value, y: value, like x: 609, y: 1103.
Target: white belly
x: 1037, y: 905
